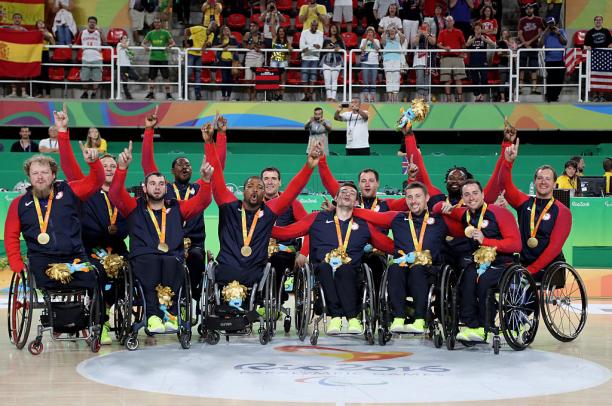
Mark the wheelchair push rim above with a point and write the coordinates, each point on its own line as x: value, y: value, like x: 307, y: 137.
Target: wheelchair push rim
x: 303, y: 311
x: 20, y: 303
x: 518, y: 307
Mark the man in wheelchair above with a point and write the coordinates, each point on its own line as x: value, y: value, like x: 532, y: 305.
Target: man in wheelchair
x: 337, y: 241
x: 156, y: 229
x: 494, y: 237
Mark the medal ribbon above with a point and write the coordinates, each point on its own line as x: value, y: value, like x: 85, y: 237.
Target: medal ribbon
x: 534, y: 228
x: 178, y: 194
x: 43, y: 223
x: 160, y: 233
x: 459, y: 203
x: 343, y: 245
x: 112, y: 212
x: 247, y: 238
x: 482, y: 213
x: 418, y: 244
x: 374, y: 204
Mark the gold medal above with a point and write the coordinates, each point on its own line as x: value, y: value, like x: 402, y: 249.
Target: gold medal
x: 163, y: 247
x: 449, y: 238
x: 246, y: 251
x: 532, y: 242
x: 43, y: 238
x: 469, y: 231
x: 161, y: 232
x: 112, y: 229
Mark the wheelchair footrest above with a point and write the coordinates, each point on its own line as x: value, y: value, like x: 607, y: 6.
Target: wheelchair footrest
x: 229, y: 322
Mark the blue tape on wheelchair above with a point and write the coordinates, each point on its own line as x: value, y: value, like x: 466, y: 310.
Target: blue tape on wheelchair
x: 368, y: 248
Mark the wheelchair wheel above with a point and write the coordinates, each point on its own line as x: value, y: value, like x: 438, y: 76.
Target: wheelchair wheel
x: 302, y: 293
x: 448, y: 305
x: 384, y: 312
x: 369, y: 306
x: 20, y: 308
x: 122, y: 313
x: 207, y: 300
x: 184, y: 312
x: 563, y: 301
x: 518, y: 307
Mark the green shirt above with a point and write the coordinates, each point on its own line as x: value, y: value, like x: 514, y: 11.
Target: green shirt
x: 159, y: 38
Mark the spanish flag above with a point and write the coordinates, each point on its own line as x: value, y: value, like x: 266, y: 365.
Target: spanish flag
x: 30, y: 10
x: 20, y: 53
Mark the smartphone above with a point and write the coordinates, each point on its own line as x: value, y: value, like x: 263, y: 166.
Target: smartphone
x: 344, y: 105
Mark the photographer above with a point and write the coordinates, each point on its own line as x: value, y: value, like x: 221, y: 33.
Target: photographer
x: 553, y: 37
x: 319, y: 129
x: 271, y: 20
x: 357, y: 135
x: 423, y: 60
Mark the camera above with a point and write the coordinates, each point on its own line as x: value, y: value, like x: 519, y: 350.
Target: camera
x: 345, y: 105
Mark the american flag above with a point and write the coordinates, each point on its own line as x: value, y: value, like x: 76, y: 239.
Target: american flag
x: 573, y: 57
x: 601, y: 70
x: 405, y: 165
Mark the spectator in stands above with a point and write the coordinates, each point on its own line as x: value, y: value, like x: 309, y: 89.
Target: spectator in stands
x: 478, y: 61
x: 17, y: 21
x: 49, y: 145
x: 529, y: 31
x: 506, y: 42
x: 423, y: 60
x: 158, y: 59
x: 452, y: 65
x: 439, y: 21
x: 25, y: 144
x: 332, y: 62
x: 569, y: 179
x: 553, y: 37
x: 254, y: 58
x: 280, y: 58
x: 412, y: 18
x: 488, y: 22
x: 311, y: 42
x: 357, y: 135
x: 392, y: 40
x: 598, y: 37
x: 48, y: 39
x: 211, y: 11
x: 198, y: 37
x: 141, y: 12
x: 94, y: 140
x: 318, y: 129
x: 92, y: 57
x: 313, y: 12
x: 553, y: 9
x: 496, y: 6
x: 124, y: 62
x: 461, y: 10
x: 272, y: 19
x: 433, y: 14
x: 524, y: 4
x: 343, y: 10
x: 64, y: 27
x: 579, y: 164
x: 226, y: 60
x: 391, y: 18
x: 607, y: 166
x: 367, y: 11
x: 369, y: 64
x: 163, y: 12
x: 381, y: 7
x: 182, y: 10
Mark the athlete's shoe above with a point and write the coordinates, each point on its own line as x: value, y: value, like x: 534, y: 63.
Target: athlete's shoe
x: 105, y: 338
x: 417, y: 327
x: 171, y: 324
x: 335, y: 325
x: 398, y: 325
x: 462, y: 335
x: 155, y: 325
x: 354, y: 326
x: 476, y: 334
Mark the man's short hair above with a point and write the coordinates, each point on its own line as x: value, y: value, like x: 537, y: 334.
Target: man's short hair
x: 477, y: 24
x: 176, y: 160
x: 318, y: 109
x: 251, y: 178
x: 607, y: 164
x: 596, y: 17
x: 416, y: 185
x: 271, y: 169
x: 40, y: 159
x: 17, y: 14
x: 92, y: 18
x: 471, y: 182
x: 148, y: 176
x: 465, y: 172
x: 544, y: 167
x: 366, y: 170
x: 107, y: 155
x: 349, y: 184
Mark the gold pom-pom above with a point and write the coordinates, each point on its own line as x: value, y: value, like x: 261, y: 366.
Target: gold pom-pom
x: 112, y: 264
x: 186, y: 245
x: 422, y: 258
x: 272, y: 247
x: 485, y: 255
x: 59, y: 272
x: 164, y: 295
x: 234, y: 290
x: 420, y: 108
x: 339, y: 253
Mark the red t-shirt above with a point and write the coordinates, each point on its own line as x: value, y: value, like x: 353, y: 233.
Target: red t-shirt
x: 489, y: 24
x: 429, y: 7
x: 451, y: 38
x: 530, y: 27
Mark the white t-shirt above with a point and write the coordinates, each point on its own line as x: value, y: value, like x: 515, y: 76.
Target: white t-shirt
x: 308, y: 40
x: 123, y: 59
x: 386, y: 21
x: 357, y: 135
x: 370, y: 50
x: 91, y: 39
x: 343, y: 3
x: 48, y: 143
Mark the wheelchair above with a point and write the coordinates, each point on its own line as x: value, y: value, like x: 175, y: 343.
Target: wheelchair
x: 71, y: 311
x: 432, y: 317
x: 563, y: 301
x: 310, y: 305
x: 515, y: 299
x: 218, y: 318
x: 133, y: 310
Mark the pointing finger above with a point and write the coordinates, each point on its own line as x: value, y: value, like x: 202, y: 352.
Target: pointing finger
x: 65, y: 108
x: 130, y: 147
x: 155, y: 112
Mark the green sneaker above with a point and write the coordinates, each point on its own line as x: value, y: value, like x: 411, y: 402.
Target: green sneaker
x: 334, y: 326
x: 155, y: 325
x: 477, y: 334
x: 354, y: 326
x: 105, y: 338
x: 418, y: 327
x: 261, y: 311
x: 171, y: 324
x: 398, y: 325
x: 462, y: 335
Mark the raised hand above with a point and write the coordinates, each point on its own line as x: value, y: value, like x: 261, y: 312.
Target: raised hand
x: 207, y: 133
x: 413, y: 169
x: 478, y: 236
x: 511, y: 152
x: 151, y: 120
x: 61, y: 119
x: 447, y: 208
x: 300, y: 260
x: 206, y: 171
x: 327, y: 205
x: 89, y: 154
x: 501, y: 200
x: 509, y: 131
x: 125, y: 157
x: 315, y: 154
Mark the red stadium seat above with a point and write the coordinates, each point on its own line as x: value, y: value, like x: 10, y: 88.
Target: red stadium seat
x: 61, y: 55
x: 296, y: 39
x: 579, y: 38
x: 205, y: 76
x: 218, y: 76
x: 284, y: 5
x: 295, y: 59
x: 209, y: 58
x: 114, y: 35
x: 107, y: 55
x: 236, y: 22
x: 106, y: 74
x: 294, y: 77
x: 298, y: 24
x: 412, y: 77
x: 56, y: 73
x: 74, y: 75
x: 238, y: 36
x: 287, y: 23
x: 350, y: 39
x: 80, y: 55
x: 255, y: 18
x: 301, y: 3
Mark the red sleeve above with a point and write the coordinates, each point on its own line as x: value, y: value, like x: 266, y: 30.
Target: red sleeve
x: 397, y: 204
x: 221, y: 146
x: 220, y: 191
x: 378, y: 219
x: 85, y: 188
x: 452, y: 220
x: 305, y: 250
x: 297, y: 229
x: 68, y: 162
x: 558, y: 236
x: 380, y: 241
x: 417, y: 158
x: 514, y: 196
x: 148, y: 158
x: 494, y: 186
x: 299, y: 212
x: 12, y: 230
x: 299, y: 181
x: 511, y: 236
x: 196, y: 205
x: 455, y: 227
x: 119, y: 196
x: 327, y: 178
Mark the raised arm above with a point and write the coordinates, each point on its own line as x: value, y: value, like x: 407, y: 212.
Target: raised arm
x: 513, y: 196
x: 86, y: 187
x: 220, y: 191
x: 397, y: 204
x: 381, y: 241
x: 119, y: 196
x: 376, y: 218
x: 327, y: 178
x: 558, y: 236
x: 495, y: 185
x: 417, y: 159
x: 68, y: 162
x: 297, y: 229
x: 148, y: 156
x: 192, y: 207
x: 12, y: 230
x: 511, y: 236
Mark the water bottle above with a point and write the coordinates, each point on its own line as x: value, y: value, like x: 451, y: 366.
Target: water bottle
x: 531, y: 189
